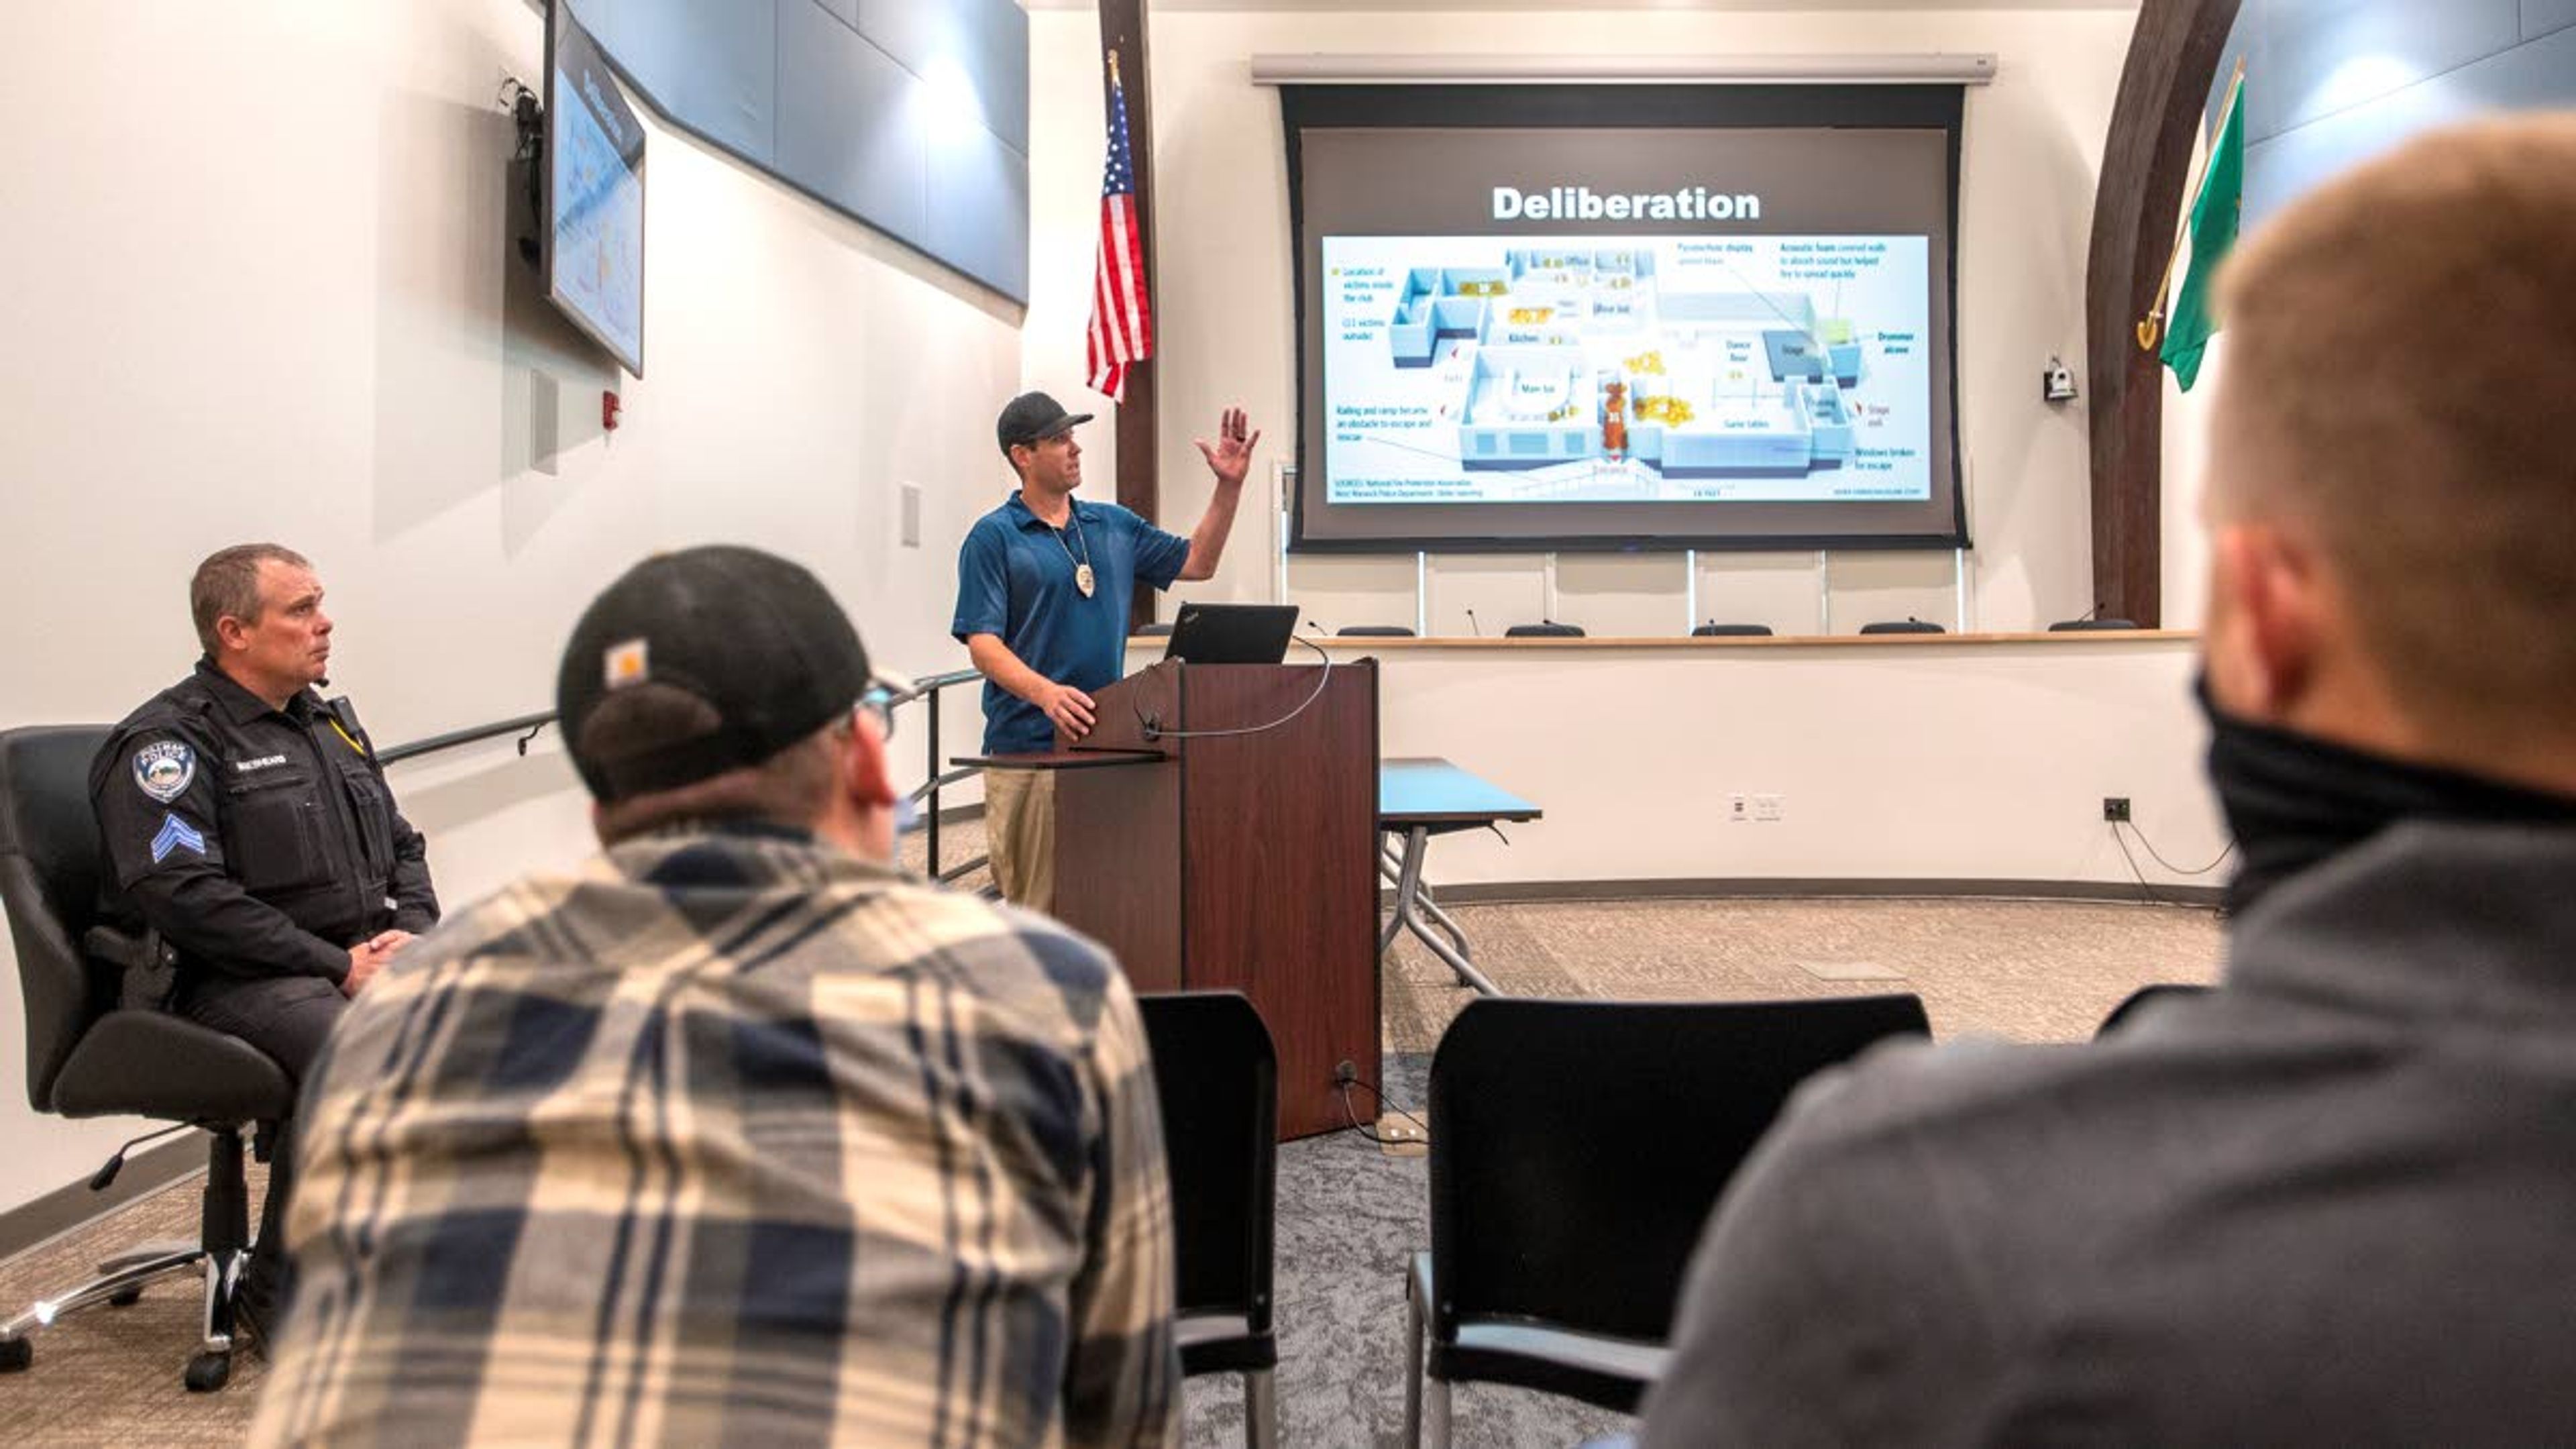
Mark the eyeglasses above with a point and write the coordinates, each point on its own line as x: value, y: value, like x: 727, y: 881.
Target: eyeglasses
x: 885, y: 690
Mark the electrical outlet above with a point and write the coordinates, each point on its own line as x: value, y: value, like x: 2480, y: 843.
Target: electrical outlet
x: 1738, y: 809
x: 1768, y: 807
x: 1344, y: 1073
x: 2115, y: 807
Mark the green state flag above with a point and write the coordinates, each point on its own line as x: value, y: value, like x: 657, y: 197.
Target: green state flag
x: 2213, y: 234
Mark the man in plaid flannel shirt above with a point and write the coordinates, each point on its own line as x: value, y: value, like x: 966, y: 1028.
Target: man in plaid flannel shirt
x: 733, y: 1134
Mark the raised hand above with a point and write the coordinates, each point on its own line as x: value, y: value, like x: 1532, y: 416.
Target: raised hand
x: 1230, y: 457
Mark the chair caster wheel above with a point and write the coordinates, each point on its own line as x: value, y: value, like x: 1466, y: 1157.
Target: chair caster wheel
x: 126, y: 1299
x: 16, y: 1354
x: 208, y: 1372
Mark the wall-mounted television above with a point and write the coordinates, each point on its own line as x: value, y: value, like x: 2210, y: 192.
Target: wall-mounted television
x: 594, y: 191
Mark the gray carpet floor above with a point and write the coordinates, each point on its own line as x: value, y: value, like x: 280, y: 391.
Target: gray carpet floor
x: 1349, y: 1213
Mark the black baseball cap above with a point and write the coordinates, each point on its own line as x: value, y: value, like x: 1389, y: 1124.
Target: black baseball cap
x: 702, y: 661
x: 1030, y: 417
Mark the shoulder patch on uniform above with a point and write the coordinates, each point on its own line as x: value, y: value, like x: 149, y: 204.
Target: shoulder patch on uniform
x: 163, y: 770
x: 176, y: 834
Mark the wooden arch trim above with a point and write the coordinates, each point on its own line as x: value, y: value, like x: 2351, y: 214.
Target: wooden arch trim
x: 2155, y: 126
x: 1122, y: 31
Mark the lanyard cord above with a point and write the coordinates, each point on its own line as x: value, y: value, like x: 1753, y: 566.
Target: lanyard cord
x: 1075, y: 519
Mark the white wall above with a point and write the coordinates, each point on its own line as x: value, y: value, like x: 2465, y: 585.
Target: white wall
x: 260, y: 288
x: 1931, y: 760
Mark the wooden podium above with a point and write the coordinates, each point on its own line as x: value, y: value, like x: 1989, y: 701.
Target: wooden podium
x: 1243, y: 861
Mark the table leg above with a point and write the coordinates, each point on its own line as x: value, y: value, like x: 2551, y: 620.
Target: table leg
x: 1430, y: 909
x: 1408, y: 904
x: 1390, y: 864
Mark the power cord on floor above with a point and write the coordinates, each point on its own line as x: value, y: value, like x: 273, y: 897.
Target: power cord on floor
x: 2146, y: 891
x: 2167, y: 864
x: 1372, y: 1134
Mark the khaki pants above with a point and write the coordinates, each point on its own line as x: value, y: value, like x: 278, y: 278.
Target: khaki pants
x: 1019, y: 830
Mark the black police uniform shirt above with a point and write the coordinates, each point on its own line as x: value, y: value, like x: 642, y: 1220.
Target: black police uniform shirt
x: 259, y: 842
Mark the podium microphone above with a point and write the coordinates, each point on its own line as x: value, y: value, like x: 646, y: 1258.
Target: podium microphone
x: 1472, y: 624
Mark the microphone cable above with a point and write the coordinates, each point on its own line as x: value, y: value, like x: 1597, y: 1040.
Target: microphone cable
x: 1153, y: 731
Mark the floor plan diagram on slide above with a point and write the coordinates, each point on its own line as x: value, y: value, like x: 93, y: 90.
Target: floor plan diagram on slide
x: 1603, y: 369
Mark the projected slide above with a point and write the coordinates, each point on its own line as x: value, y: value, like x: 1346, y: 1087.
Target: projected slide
x: 1599, y: 369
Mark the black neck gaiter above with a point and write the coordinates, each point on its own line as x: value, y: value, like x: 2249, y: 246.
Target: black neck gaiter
x: 2294, y: 800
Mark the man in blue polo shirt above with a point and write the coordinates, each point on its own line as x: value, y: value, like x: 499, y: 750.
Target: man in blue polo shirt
x: 1042, y: 588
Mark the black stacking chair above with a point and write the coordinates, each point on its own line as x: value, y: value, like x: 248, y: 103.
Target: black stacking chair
x: 1576, y: 1150
x: 1549, y: 630
x: 1156, y: 630
x: 1902, y: 626
x: 1218, y: 1079
x: 2088, y: 626
x: 87, y: 1057
x: 1373, y: 631
x: 1729, y: 631
x: 2142, y: 998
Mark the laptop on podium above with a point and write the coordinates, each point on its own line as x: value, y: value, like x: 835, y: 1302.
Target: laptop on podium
x: 1232, y: 633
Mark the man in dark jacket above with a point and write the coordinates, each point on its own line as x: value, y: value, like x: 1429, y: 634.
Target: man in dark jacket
x: 251, y: 840
x: 2328, y: 1203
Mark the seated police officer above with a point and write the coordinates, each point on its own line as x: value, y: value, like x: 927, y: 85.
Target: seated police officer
x: 252, y: 844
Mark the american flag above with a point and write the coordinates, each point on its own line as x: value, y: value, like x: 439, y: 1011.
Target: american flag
x: 1122, y: 321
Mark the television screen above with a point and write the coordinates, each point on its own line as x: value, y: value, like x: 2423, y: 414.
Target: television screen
x: 1548, y: 317
x: 594, y: 193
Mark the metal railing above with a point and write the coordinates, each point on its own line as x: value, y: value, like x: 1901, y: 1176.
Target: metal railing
x: 924, y: 691
x: 934, y: 780
x: 524, y: 726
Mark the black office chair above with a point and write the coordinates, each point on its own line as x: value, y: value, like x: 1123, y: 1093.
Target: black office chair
x: 1902, y: 626
x: 2142, y: 998
x: 1373, y: 631
x: 1731, y: 631
x: 1217, y: 1075
x: 87, y: 1057
x: 2088, y: 626
x: 1156, y: 630
x: 1577, y: 1149
x: 1548, y: 630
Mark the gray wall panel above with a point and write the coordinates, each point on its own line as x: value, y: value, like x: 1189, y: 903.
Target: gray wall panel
x: 2317, y: 57
x: 2540, y: 17
x: 863, y: 104
x: 986, y: 40
x: 711, y: 63
x: 2537, y: 75
x: 850, y: 124
x: 973, y: 178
